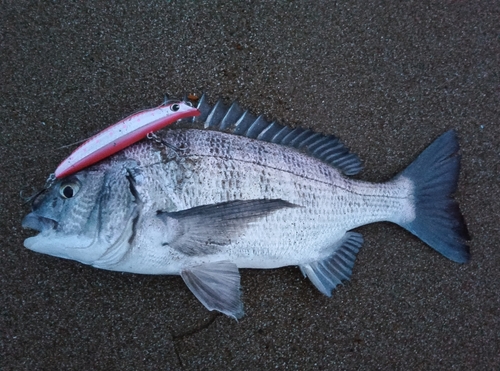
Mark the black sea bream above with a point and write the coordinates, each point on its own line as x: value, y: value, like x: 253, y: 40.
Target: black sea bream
x: 240, y: 192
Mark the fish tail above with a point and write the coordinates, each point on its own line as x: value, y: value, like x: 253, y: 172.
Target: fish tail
x: 438, y: 220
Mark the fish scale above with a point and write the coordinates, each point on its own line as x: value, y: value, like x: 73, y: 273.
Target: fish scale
x: 244, y: 170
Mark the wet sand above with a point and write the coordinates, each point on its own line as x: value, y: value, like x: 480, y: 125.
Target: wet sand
x: 387, y: 79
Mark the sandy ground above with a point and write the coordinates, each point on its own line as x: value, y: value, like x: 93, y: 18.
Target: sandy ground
x: 387, y: 78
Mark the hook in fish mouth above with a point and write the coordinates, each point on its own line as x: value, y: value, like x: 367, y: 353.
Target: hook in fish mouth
x: 29, y: 199
x: 35, y: 193
x: 39, y: 223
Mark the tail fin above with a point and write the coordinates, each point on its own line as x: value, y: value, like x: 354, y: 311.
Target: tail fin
x: 438, y: 220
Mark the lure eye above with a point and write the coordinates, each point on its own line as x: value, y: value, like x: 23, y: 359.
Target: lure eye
x: 175, y: 107
x: 189, y: 103
x: 68, y: 190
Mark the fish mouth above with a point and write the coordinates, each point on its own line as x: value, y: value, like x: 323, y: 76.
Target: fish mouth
x: 39, y: 223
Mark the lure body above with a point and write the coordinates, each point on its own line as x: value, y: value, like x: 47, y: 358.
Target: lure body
x: 123, y: 134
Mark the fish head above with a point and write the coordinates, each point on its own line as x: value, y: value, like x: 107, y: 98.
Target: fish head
x: 89, y: 217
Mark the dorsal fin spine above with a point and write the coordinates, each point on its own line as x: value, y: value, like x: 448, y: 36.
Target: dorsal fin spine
x: 291, y: 135
x: 281, y: 134
x: 312, y: 138
x: 256, y: 128
x: 233, y: 119
x: 320, y: 142
x: 232, y: 115
x: 301, y: 137
x: 269, y: 132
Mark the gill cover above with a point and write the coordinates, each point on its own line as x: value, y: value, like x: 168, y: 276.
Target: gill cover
x: 89, y: 217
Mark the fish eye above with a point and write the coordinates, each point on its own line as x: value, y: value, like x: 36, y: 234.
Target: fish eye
x: 175, y: 107
x: 68, y: 190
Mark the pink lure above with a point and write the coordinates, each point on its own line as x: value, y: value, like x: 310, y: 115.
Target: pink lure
x: 124, y: 133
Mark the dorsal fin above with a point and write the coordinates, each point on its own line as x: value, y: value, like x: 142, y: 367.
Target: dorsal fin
x: 233, y: 119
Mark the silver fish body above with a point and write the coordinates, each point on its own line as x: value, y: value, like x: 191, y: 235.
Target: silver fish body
x: 241, y: 193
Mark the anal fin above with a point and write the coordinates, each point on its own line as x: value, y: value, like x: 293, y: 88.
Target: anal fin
x: 217, y: 286
x: 328, y: 273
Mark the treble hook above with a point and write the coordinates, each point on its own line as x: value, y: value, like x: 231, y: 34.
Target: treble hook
x: 157, y: 139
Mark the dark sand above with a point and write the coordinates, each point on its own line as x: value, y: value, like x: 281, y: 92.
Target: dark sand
x: 387, y: 79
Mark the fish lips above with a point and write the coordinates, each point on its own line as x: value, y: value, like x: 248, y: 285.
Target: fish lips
x: 39, y: 223
x: 51, y: 241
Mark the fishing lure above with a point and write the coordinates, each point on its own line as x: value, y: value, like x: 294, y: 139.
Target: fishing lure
x: 123, y: 134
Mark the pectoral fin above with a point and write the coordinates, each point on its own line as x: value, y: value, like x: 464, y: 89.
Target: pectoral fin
x: 328, y: 273
x: 204, y: 229
x: 217, y: 286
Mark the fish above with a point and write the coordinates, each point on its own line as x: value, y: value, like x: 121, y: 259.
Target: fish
x: 124, y: 133
x: 234, y: 191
